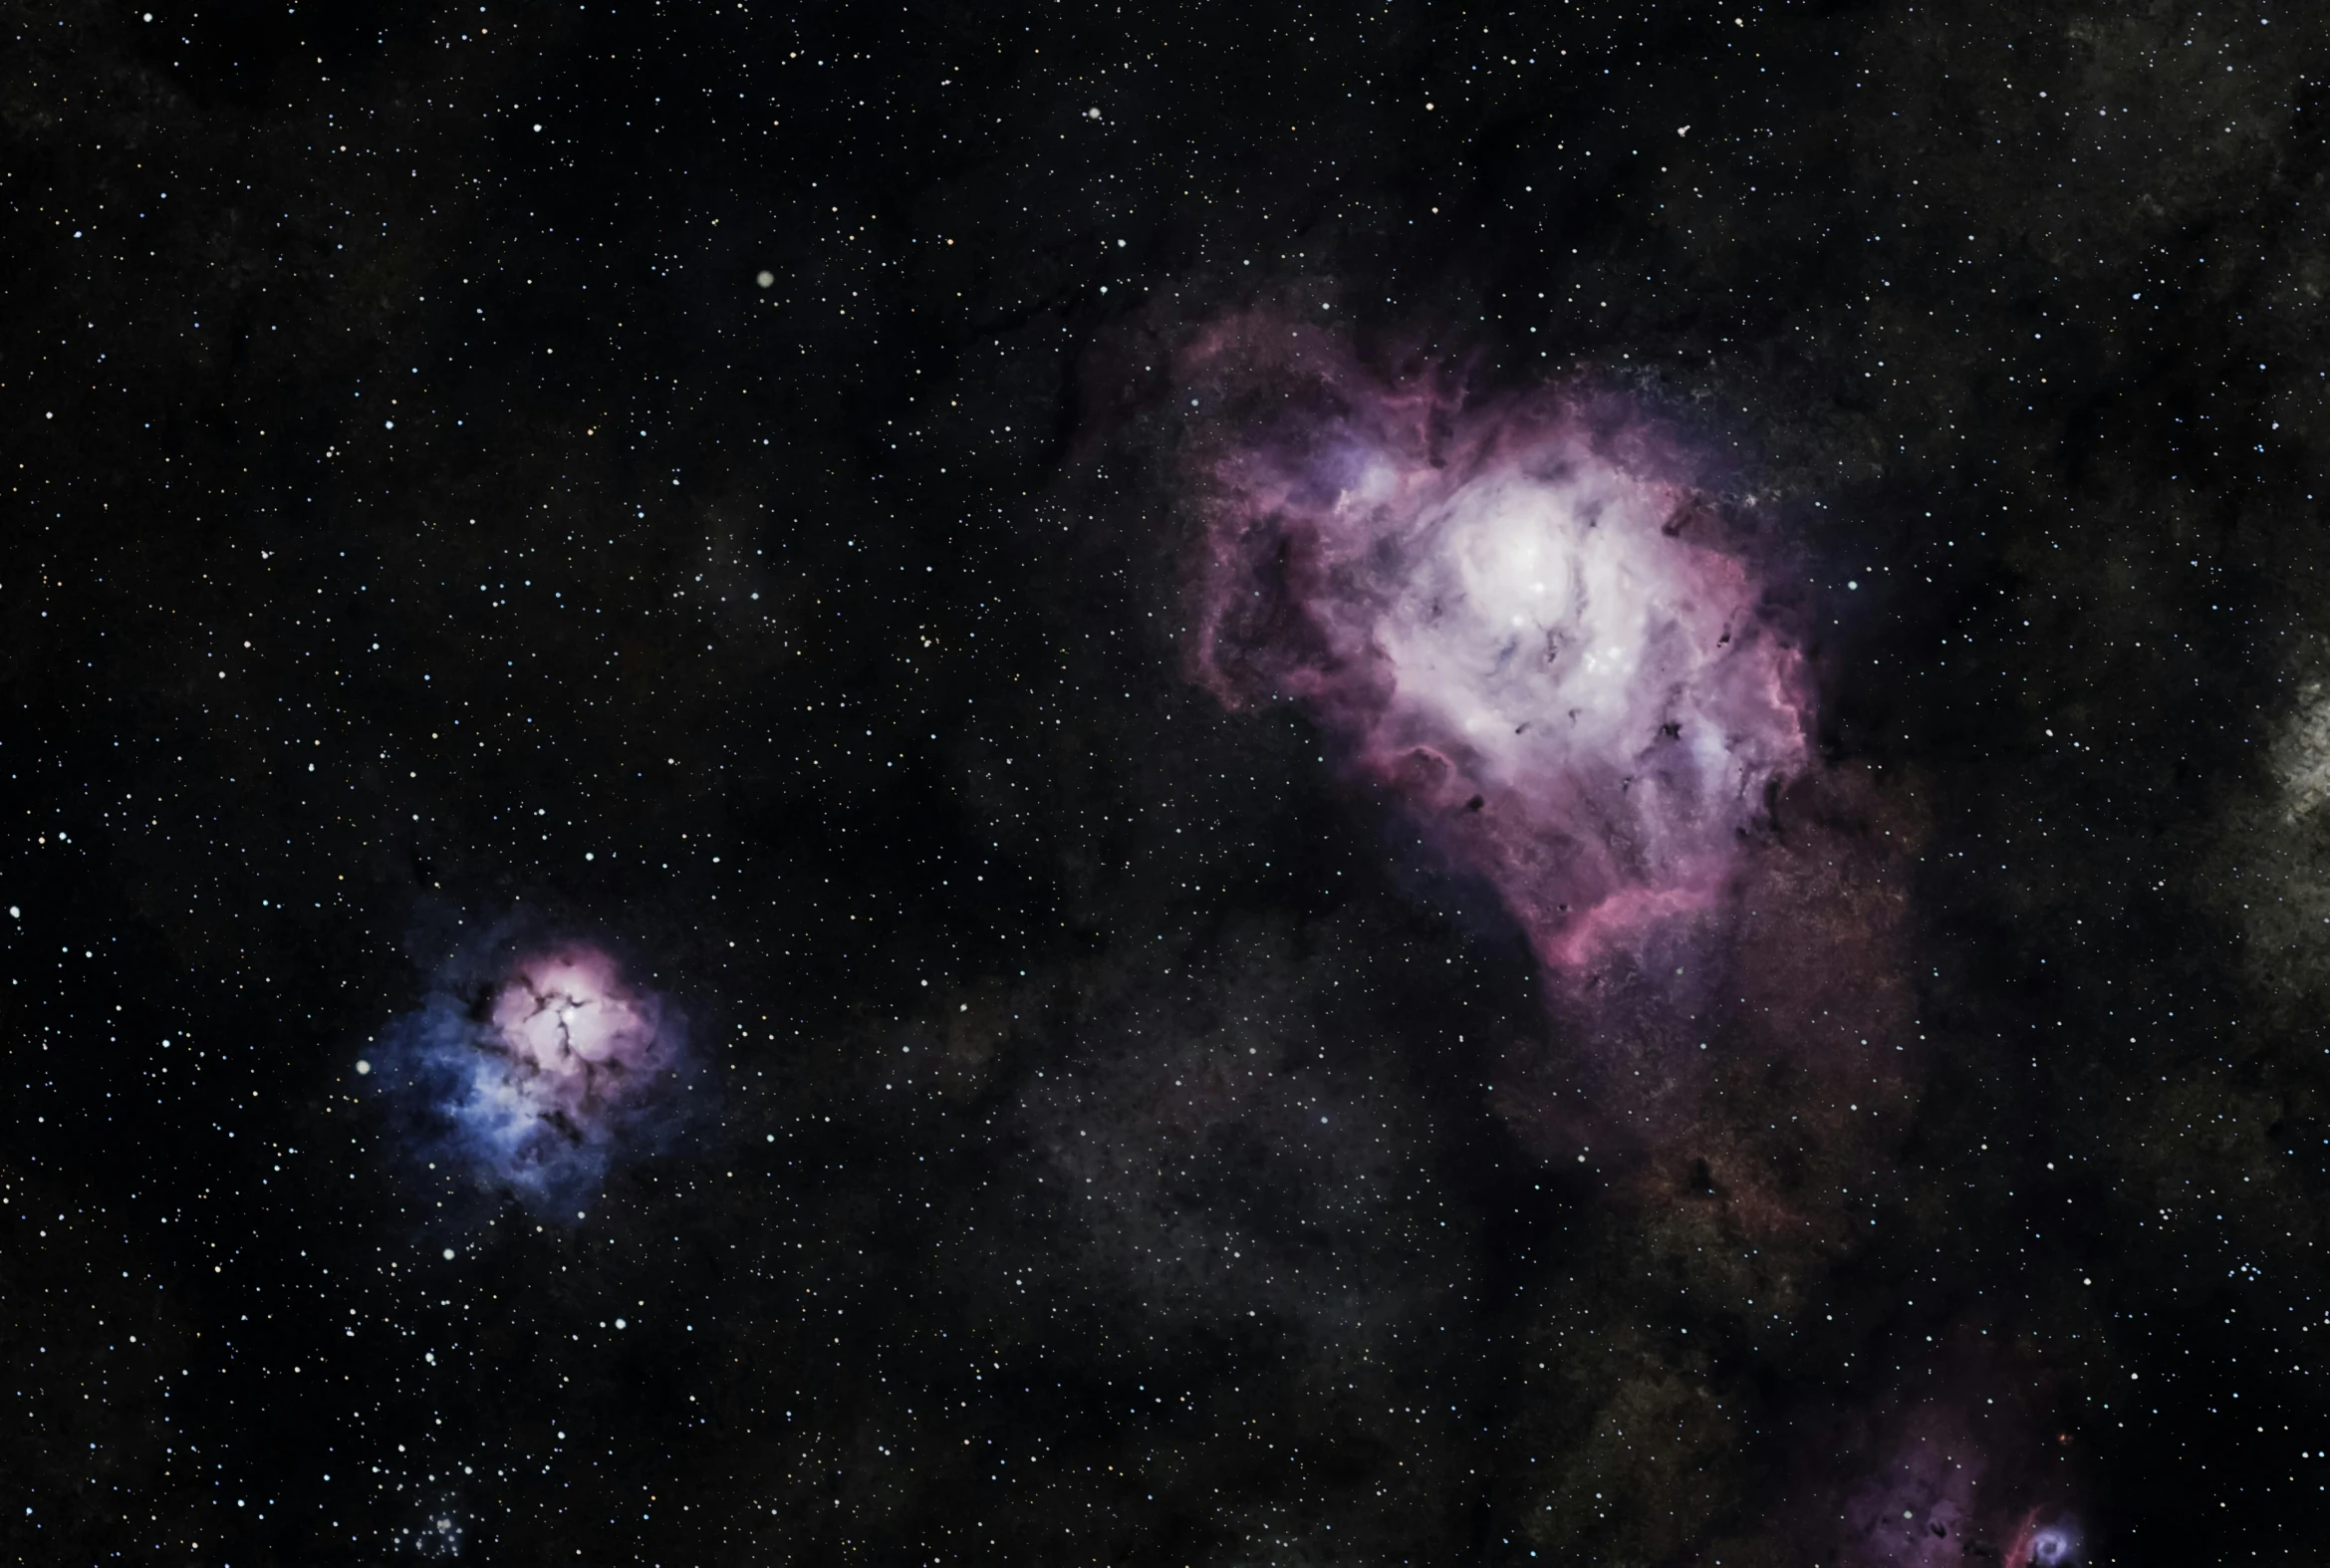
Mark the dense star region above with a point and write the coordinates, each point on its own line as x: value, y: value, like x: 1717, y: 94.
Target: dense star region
x: 1165, y: 785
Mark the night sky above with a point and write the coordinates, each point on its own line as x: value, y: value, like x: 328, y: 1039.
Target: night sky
x: 1199, y: 784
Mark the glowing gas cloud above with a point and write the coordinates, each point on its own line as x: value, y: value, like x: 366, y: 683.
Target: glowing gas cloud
x: 531, y: 1066
x: 1970, y: 1468
x: 2039, y: 1546
x: 1522, y: 615
x: 1934, y: 1503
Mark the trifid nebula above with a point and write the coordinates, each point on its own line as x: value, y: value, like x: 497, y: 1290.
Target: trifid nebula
x: 1180, y: 785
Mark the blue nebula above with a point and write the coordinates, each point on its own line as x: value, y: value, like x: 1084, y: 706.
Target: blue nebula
x: 2053, y: 1546
x: 530, y: 1068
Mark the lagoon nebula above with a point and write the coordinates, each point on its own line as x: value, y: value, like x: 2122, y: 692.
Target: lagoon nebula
x: 1526, y: 617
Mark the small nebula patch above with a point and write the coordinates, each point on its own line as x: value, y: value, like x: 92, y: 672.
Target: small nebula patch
x: 1520, y: 615
x: 531, y: 1068
x: 2044, y: 1545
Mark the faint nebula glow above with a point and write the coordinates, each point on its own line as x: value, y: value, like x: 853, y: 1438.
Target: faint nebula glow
x: 1962, y: 1474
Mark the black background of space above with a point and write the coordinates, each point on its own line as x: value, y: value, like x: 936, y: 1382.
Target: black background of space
x: 815, y: 645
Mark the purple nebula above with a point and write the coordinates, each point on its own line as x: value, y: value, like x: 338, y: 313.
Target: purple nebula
x: 1524, y: 617
x: 532, y: 1072
x: 1973, y: 1473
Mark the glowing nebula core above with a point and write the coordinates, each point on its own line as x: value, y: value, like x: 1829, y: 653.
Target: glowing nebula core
x: 1521, y: 617
x: 534, y: 1071
x: 2039, y: 1546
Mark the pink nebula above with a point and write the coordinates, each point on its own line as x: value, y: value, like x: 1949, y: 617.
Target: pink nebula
x: 566, y: 1059
x: 1972, y: 1469
x: 1522, y: 615
x: 574, y: 1036
x: 533, y: 1067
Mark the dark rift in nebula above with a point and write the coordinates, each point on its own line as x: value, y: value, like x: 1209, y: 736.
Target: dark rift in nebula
x: 1523, y: 616
x: 531, y: 1066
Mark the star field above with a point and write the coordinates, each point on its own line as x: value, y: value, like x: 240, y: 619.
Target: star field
x: 734, y: 491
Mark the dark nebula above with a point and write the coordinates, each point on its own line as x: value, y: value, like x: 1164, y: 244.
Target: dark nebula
x: 1166, y: 785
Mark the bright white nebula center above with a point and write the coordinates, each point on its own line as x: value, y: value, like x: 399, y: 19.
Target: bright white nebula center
x: 1525, y: 629
x: 1577, y: 650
